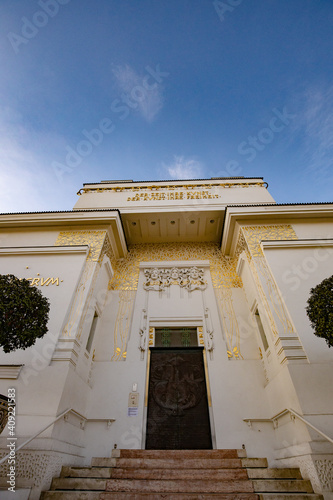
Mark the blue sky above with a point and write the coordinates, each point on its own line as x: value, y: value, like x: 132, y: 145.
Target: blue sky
x: 150, y: 90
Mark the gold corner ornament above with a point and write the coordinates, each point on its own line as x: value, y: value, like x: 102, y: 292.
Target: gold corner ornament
x: 97, y: 240
x: 230, y: 323
x: 99, y: 245
x: 234, y: 354
x: 265, y: 281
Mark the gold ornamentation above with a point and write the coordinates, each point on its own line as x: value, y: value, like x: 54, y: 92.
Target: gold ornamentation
x: 200, y: 335
x: 173, y: 195
x: 99, y: 245
x: 95, y: 240
x: 107, y: 250
x: 230, y: 323
x: 267, y: 287
x: 151, y: 336
x: 254, y: 235
x: 44, y: 281
x: 76, y: 315
x: 168, y: 187
x: 122, y: 325
x: 223, y: 270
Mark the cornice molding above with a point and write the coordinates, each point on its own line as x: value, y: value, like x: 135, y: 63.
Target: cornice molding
x: 305, y: 243
x: 236, y: 217
x: 84, y: 249
x: 10, y: 371
x: 87, y: 220
x: 58, y: 218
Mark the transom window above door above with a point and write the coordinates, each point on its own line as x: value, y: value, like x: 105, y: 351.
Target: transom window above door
x: 176, y: 337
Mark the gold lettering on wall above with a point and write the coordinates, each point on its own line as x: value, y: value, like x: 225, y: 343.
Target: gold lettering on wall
x: 173, y: 195
x: 44, y: 281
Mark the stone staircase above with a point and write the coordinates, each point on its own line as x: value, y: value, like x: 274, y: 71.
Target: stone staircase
x: 178, y: 475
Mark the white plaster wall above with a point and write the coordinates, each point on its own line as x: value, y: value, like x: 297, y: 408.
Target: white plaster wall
x: 28, y: 237
x: 40, y: 386
x: 296, y: 271
x: 66, y: 266
x: 227, y: 196
x: 237, y: 386
x: 314, y: 229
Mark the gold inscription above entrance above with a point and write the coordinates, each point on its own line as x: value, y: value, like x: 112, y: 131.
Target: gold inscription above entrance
x: 173, y: 195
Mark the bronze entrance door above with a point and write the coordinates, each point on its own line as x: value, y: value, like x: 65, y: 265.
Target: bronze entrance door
x: 177, y: 417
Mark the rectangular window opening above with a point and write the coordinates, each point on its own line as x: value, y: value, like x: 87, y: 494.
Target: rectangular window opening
x: 261, y: 330
x: 176, y: 337
x: 92, y: 332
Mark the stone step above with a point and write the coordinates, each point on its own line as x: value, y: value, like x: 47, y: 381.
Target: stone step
x: 254, y: 462
x: 96, y: 472
x: 162, y: 463
x: 290, y: 496
x: 178, y: 496
x: 179, y: 454
x: 179, y: 486
x: 70, y: 495
x: 80, y: 495
x: 149, y: 473
x: 198, y: 474
x: 280, y: 485
x: 78, y: 483
x: 179, y: 475
x: 274, y: 473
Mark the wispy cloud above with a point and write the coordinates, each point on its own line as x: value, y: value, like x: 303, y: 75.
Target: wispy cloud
x: 184, y: 168
x: 318, y: 123
x: 148, y: 101
x: 26, y: 180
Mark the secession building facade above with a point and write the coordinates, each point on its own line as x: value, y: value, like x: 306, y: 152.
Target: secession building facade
x: 171, y: 300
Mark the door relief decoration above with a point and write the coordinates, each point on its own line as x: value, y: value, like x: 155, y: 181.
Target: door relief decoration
x: 177, y: 386
x: 177, y: 413
x: 191, y: 278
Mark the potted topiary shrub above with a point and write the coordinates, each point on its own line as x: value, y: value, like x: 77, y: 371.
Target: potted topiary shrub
x: 320, y: 310
x: 24, y: 313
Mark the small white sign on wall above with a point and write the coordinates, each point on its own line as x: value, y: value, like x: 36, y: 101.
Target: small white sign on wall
x: 133, y: 403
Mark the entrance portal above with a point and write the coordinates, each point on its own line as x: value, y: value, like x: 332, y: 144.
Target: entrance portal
x: 178, y: 416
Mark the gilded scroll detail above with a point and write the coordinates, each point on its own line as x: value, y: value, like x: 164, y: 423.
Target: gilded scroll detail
x: 230, y: 323
x: 95, y: 240
x: 123, y: 323
x: 99, y: 245
x: 266, y: 284
x: 255, y: 234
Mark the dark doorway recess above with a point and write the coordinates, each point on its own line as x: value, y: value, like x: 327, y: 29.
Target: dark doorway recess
x: 178, y: 416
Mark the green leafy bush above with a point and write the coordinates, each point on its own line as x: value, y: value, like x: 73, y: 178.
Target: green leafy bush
x: 320, y: 310
x: 24, y: 313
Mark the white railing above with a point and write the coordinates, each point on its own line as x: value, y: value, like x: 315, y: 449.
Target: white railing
x: 293, y: 414
x: 63, y: 414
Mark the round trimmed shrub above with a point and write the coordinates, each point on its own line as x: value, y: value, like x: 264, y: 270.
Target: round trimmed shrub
x: 24, y: 313
x: 320, y: 310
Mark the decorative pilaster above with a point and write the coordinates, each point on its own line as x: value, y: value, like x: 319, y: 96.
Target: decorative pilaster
x: 287, y: 343
x: 68, y: 345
